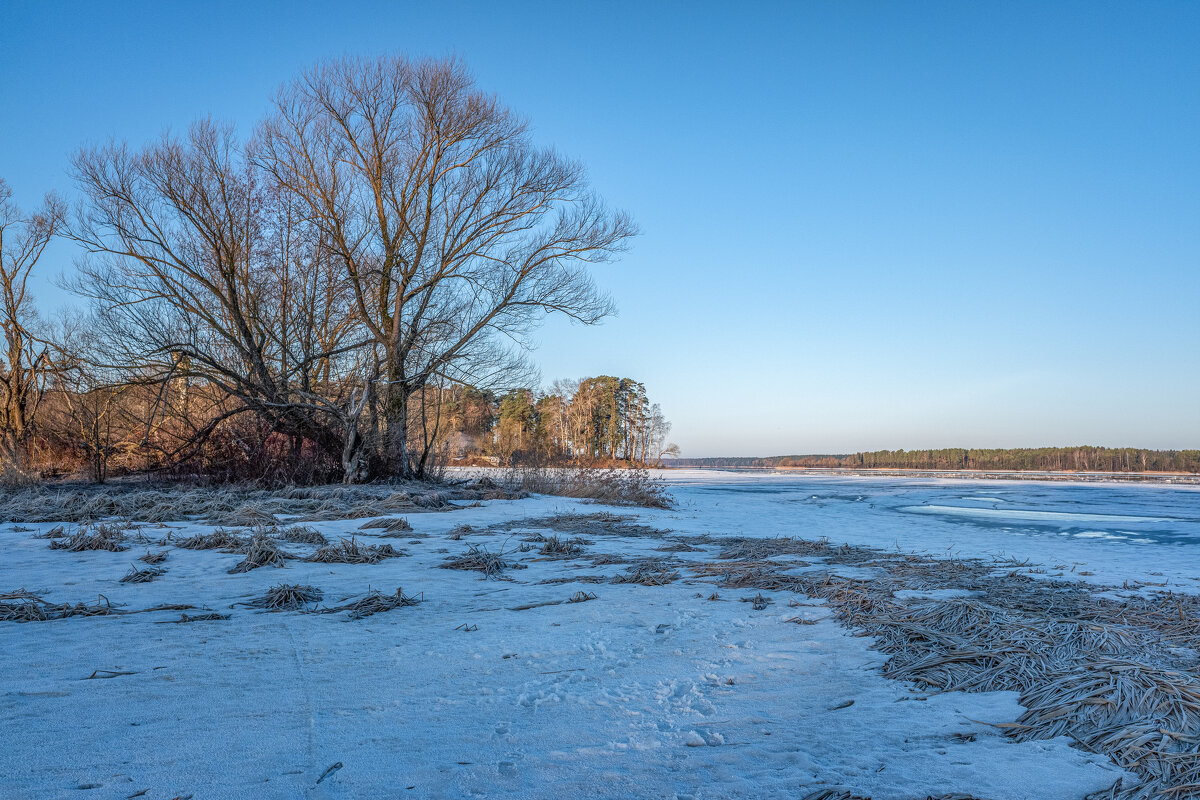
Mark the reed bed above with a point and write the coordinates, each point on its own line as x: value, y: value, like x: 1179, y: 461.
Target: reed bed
x: 349, y: 551
x: 234, y: 506
x: 1114, y: 671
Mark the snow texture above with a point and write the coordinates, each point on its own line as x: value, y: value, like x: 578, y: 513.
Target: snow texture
x: 500, y: 687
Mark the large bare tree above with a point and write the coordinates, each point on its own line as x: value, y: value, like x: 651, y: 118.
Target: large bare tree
x: 200, y: 273
x: 454, y: 232
x: 26, y: 360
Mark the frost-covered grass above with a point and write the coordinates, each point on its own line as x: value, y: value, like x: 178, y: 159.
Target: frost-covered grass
x: 711, y: 650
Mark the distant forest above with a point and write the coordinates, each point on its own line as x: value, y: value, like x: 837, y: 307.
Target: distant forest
x: 1079, y: 459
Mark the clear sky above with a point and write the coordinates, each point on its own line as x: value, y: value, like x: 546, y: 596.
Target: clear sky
x: 865, y: 224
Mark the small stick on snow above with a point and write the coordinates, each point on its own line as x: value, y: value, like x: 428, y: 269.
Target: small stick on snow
x: 332, y: 769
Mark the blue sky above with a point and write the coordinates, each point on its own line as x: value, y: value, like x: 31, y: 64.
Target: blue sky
x: 865, y: 225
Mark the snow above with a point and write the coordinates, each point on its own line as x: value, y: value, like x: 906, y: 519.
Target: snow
x: 645, y: 691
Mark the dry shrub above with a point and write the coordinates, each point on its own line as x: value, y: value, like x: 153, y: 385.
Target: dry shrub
x: 349, y: 551
x: 102, y: 537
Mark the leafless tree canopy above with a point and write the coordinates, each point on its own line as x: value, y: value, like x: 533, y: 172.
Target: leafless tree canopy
x: 389, y: 230
x: 454, y: 232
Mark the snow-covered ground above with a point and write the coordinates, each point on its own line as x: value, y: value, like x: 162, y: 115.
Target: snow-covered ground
x: 644, y: 691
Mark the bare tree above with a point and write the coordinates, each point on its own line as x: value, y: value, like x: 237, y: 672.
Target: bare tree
x: 197, y: 272
x: 455, y: 234
x: 23, y: 240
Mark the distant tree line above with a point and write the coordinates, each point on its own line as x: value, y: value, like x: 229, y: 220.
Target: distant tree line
x: 1076, y: 459
x: 600, y: 420
x: 298, y: 305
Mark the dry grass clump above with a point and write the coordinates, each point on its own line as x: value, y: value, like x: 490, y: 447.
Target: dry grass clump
x: 625, y: 487
x: 582, y: 597
x: 220, y: 539
x: 603, y: 523
x: 555, y: 547
x: 480, y: 559
x: 375, y: 602
x: 23, y: 606
x: 301, y: 534
x: 648, y: 573
x: 57, y: 532
x: 287, y: 597
x: 248, y: 515
x: 146, y: 575
x: 388, y: 524
x: 102, y: 537
x: 260, y: 551
x: 349, y: 551
x: 184, y: 618
x: 155, y: 558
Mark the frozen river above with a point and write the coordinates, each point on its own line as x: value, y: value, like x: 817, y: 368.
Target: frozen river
x: 1113, y: 531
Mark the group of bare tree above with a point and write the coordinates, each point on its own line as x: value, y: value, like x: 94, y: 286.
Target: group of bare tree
x: 388, y: 231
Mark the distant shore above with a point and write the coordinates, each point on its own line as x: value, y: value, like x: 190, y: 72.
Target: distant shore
x: 1186, y: 478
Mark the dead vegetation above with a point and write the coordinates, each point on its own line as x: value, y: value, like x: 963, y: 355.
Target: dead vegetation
x: 1114, y: 671
x: 626, y: 487
x: 349, y: 551
x: 301, y: 534
x: 375, y: 602
x: 146, y: 575
x: 651, y: 572
x: 101, y: 537
x: 154, y: 558
x: 227, y: 506
x: 260, y: 551
x: 480, y: 559
x: 602, y: 523
x: 388, y: 525
x: 23, y: 606
x: 220, y: 539
x: 554, y: 547
x: 287, y: 597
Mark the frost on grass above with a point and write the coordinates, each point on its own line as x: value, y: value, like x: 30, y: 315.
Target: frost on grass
x: 648, y: 573
x: 146, y: 575
x: 349, y: 551
x: 220, y: 539
x: 301, y: 534
x: 154, y: 558
x: 555, y: 547
x: 287, y: 597
x: 260, y: 551
x: 102, y: 537
x: 388, y: 524
x: 23, y: 606
x: 480, y: 559
x: 375, y: 602
x: 229, y: 506
x: 1114, y: 673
